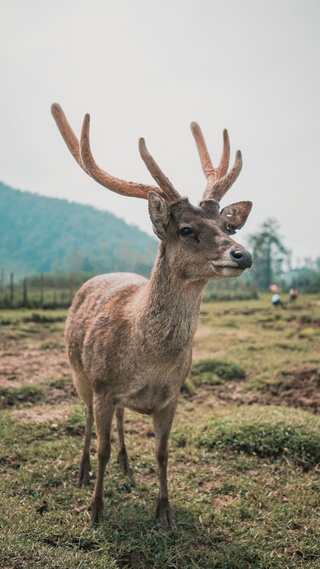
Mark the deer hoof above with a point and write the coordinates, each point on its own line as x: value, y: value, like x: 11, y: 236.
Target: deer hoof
x: 164, y: 515
x: 96, y: 510
x: 84, y: 475
x: 124, y: 462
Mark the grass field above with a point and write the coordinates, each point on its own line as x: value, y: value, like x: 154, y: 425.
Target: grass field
x: 244, y: 461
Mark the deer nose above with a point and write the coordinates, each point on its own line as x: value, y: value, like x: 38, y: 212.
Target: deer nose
x: 242, y: 257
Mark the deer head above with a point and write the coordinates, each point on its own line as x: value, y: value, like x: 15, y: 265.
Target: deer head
x: 196, y: 239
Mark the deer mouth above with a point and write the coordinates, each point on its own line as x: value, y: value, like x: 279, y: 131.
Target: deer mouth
x: 227, y: 270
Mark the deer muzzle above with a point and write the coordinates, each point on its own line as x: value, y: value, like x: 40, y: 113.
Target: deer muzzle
x: 242, y: 258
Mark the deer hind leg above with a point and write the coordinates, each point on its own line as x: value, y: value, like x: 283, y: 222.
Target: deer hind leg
x: 103, y: 413
x: 122, y: 454
x: 85, y: 466
x: 162, y: 425
x: 85, y: 392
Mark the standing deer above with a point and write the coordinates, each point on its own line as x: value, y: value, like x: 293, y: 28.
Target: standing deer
x: 129, y: 339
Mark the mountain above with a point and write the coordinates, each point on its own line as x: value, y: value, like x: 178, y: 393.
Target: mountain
x: 40, y: 234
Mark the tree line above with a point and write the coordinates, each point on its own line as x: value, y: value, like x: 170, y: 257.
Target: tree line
x: 43, y: 235
x: 272, y: 265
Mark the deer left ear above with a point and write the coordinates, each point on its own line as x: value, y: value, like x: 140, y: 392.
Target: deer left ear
x: 159, y: 214
x: 236, y: 214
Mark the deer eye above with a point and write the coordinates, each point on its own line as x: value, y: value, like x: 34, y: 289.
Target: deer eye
x: 184, y: 231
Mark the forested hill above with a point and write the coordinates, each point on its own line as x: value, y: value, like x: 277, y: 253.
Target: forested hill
x: 40, y: 234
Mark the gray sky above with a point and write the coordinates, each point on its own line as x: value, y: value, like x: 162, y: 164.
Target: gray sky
x: 146, y: 68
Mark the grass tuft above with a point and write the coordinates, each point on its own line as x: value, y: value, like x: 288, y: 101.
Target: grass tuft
x: 51, y: 345
x: 24, y: 395
x: 215, y: 372
x: 267, y: 433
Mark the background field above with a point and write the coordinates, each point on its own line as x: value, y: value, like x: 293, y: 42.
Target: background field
x: 244, y: 461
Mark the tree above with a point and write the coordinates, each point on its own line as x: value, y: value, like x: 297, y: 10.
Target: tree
x: 269, y: 253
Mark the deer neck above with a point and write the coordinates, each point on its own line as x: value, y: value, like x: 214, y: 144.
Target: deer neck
x: 170, y: 308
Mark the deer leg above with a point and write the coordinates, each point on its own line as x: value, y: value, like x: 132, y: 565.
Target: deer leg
x: 162, y: 425
x: 85, y: 466
x: 122, y: 454
x: 103, y: 412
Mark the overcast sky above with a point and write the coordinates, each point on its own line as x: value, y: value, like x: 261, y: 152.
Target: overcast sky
x: 147, y: 68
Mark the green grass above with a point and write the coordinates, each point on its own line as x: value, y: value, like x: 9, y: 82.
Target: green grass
x: 9, y: 317
x: 266, y: 432
x: 234, y: 507
x: 267, y: 341
x: 215, y: 372
x: 24, y: 395
x: 244, y: 453
x: 51, y: 345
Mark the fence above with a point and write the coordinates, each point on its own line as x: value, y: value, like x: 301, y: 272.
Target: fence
x: 40, y: 291
x: 52, y: 290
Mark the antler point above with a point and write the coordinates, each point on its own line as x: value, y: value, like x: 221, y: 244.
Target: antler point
x: 194, y: 126
x: 55, y: 109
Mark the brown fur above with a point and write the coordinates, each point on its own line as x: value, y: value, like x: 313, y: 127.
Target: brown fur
x: 129, y: 340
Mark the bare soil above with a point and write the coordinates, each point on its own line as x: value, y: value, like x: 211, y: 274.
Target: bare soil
x: 37, y: 357
x: 296, y: 388
x: 25, y: 362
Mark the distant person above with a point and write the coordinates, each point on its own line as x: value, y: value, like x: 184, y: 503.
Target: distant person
x: 293, y: 294
x: 276, y: 300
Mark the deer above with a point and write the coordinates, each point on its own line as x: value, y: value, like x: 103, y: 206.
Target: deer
x: 129, y: 339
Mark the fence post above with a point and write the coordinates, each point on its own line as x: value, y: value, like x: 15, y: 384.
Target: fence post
x: 54, y: 293
x: 25, y: 293
x: 11, y: 289
x: 70, y: 287
x: 1, y: 285
x: 41, y: 289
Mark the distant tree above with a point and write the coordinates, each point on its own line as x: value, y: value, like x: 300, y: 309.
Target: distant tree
x: 307, y: 280
x: 269, y: 253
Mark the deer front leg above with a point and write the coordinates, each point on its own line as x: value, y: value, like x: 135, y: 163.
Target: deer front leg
x: 162, y: 425
x: 85, y: 466
x: 103, y: 412
x: 122, y: 454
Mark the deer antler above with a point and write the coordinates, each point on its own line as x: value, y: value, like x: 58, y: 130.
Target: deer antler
x: 164, y: 183
x: 81, y: 152
x: 67, y: 133
x: 219, y: 180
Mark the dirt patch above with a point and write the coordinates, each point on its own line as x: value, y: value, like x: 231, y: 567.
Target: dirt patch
x: 38, y: 362
x: 297, y: 388
x: 43, y: 413
x: 216, y: 395
x: 203, y: 331
x: 35, y: 357
x: 30, y: 365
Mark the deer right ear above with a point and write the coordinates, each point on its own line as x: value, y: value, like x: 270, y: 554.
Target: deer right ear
x: 159, y: 214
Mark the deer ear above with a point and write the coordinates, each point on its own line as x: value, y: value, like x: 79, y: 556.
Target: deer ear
x: 159, y: 214
x: 236, y: 214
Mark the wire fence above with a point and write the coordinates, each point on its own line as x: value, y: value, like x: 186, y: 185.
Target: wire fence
x: 51, y: 290
x: 39, y: 291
